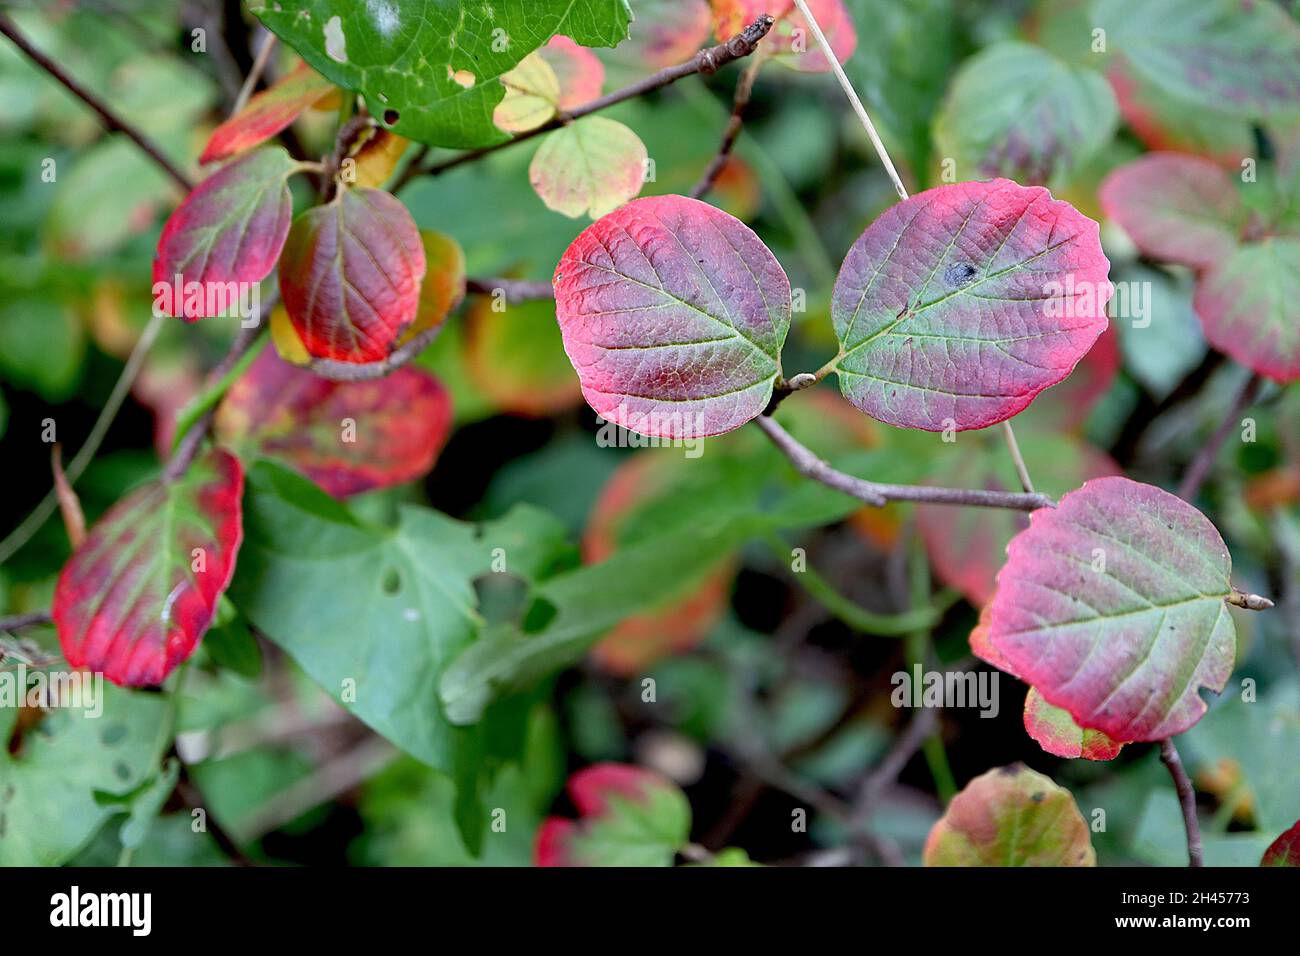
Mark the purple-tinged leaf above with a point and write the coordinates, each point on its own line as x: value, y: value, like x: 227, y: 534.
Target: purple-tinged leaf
x: 673, y: 314
x: 958, y: 306
x: 1249, y: 306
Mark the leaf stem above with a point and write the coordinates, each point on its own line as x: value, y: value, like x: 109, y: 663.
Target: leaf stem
x: 1186, y: 800
x: 1022, y: 472
x: 255, y: 72
x: 1202, y: 464
x: 731, y: 133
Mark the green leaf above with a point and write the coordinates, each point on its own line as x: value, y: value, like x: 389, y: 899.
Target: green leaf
x: 1015, y: 110
x: 48, y: 803
x: 432, y: 69
x: 147, y: 804
x: 589, y: 167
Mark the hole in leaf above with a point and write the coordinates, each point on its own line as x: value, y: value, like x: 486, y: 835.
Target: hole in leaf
x: 391, y: 116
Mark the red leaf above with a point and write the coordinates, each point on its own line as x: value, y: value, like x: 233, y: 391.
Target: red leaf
x: 673, y: 314
x: 350, y: 276
x: 1177, y: 208
x: 136, y: 598
x: 230, y: 229
x: 958, y: 306
x: 1285, y: 850
x: 1112, y: 605
x: 348, y: 437
x: 267, y: 113
x: 580, y: 72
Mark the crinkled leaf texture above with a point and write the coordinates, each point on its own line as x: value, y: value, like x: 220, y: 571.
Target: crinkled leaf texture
x: 230, y: 229
x: 1112, y: 606
x: 673, y: 314
x: 431, y: 69
x: 348, y: 437
x: 1011, y: 816
x: 589, y: 167
x: 791, y: 41
x: 1057, y: 733
x: 630, y: 817
x: 959, y: 305
x: 350, y: 276
x: 1285, y: 850
x: 136, y: 598
x: 1015, y: 110
x: 267, y: 113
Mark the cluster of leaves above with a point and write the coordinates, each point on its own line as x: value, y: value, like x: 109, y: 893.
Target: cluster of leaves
x: 959, y: 308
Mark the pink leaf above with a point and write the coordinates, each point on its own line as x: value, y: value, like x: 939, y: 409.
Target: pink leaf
x: 673, y: 314
x: 230, y: 229
x: 1112, y: 606
x: 957, y: 306
x: 580, y: 72
x: 790, y: 39
x: 1249, y: 306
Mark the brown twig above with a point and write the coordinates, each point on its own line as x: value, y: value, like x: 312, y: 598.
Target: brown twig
x: 874, y: 493
x: 739, y: 103
x: 706, y: 61
x: 16, y: 622
x: 1201, y: 465
x: 110, y: 119
x: 1186, y: 799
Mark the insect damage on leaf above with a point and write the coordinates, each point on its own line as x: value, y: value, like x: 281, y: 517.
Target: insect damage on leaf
x: 673, y: 315
x: 136, y: 598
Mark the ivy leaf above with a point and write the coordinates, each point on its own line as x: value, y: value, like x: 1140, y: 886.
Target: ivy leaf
x: 1177, y: 208
x: 136, y: 598
x: 1285, y: 850
x: 350, y: 276
x: 1057, y: 733
x: 1236, y: 57
x: 267, y: 113
x: 1011, y: 816
x: 673, y: 314
x: 1249, y: 306
x: 589, y: 167
x: 630, y: 817
x: 48, y: 789
x: 958, y: 306
x: 432, y: 69
x: 230, y: 229
x: 791, y: 41
x: 532, y: 95
x: 1015, y: 110
x: 348, y: 437
x: 579, y: 71
x: 1112, y: 606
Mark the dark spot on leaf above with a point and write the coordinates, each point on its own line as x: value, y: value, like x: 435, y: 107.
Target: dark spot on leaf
x: 959, y: 274
x: 391, y: 117
x: 1037, y: 797
x: 112, y: 734
x: 121, y: 771
x: 392, y: 582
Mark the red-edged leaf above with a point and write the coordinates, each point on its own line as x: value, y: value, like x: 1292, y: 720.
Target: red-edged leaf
x: 267, y: 113
x: 1112, y: 606
x: 230, y: 229
x: 791, y: 39
x: 1249, y: 306
x: 1067, y: 405
x: 348, y: 437
x: 673, y: 314
x: 579, y: 71
x: 630, y: 817
x: 1285, y: 850
x: 350, y: 276
x: 136, y: 598
x: 957, y: 306
x: 1177, y: 208
x: 642, y: 640
x: 1011, y: 816
x: 968, y: 546
x: 665, y: 32
x: 1057, y: 733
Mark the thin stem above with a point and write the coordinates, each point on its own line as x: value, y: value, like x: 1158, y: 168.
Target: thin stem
x: 255, y: 73
x: 852, y: 94
x: 709, y: 60
x: 1201, y: 465
x: 17, y: 622
x: 736, y: 122
x: 877, y: 494
x: 207, y: 401
x: 34, y: 521
x: 1022, y: 472
x: 514, y: 290
x: 110, y: 119
x: 1186, y: 799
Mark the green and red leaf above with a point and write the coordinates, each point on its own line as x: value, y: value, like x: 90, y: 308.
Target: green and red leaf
x: 350, y: 276
x: 230, y: 229
x: 579, y: 71
x: 790, y: 40
x: 1011, y: 816
x: 267, y: 113
x: 589, y: 167
x: 1112, y: 606
x: 673, y: 315
x: 959, y: 305
x: 348, y: 437
x: 1057, y: 733
x: 629, y: 817
x: 1249, y: 306
x: 1285, y: 850
x: 666, y: 32
x: 136, y: 598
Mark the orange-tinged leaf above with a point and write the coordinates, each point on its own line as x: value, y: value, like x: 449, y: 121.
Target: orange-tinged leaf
x: 1057, y: 733
x: 377, y: 158
x: 516, y: 357
x: 285, y: 338
x: 790, y: 40
x: 443, y: 287
x: 267, y: 113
